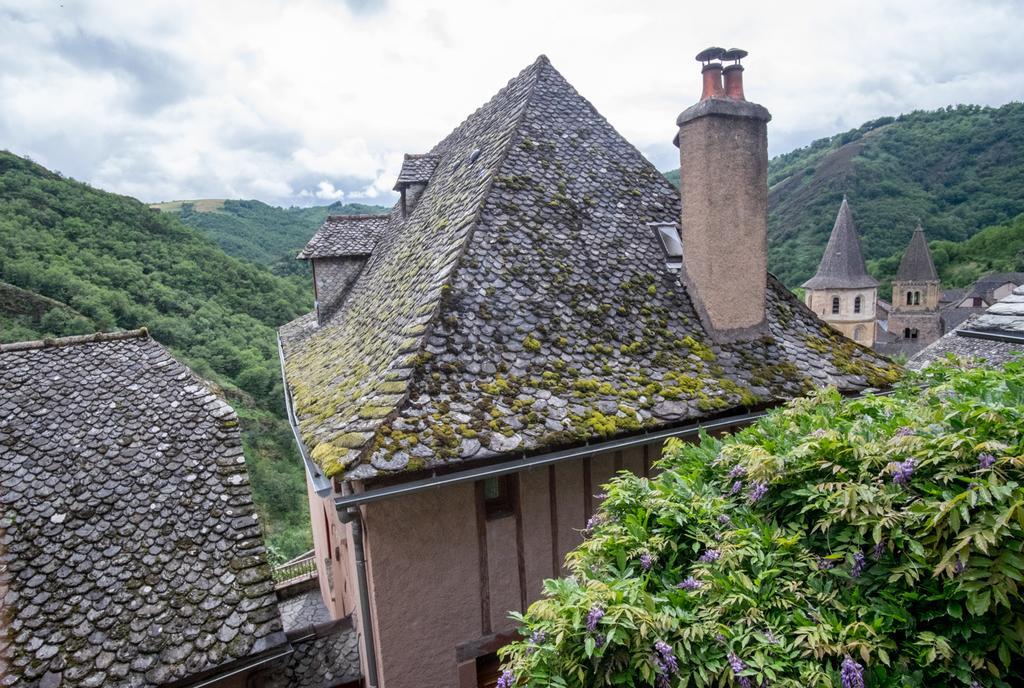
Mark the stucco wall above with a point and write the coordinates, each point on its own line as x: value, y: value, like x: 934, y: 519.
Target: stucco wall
x: 724, y: 191
x: 423, y: 566
x: 425, y: 574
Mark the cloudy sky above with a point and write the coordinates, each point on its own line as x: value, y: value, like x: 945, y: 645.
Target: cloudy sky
x: 311, y: 101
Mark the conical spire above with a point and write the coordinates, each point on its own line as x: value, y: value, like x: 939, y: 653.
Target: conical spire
x: 842, y: 266
x: 916, y: 264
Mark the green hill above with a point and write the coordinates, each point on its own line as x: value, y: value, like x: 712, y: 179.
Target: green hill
x: 958, y: 170
x: 258, y: 232
x: 75, y: 259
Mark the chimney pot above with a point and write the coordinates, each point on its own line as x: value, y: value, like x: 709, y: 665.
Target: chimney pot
x: 712, y: 73
x: 734, y: 81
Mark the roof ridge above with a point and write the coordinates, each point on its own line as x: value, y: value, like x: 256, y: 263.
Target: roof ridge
x: 54, y: 342
x: 363, y: 216
x: 916, y: 264
x: 842, y: 263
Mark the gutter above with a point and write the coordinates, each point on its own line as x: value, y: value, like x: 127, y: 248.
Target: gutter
x: 323, y: 487
x: 992, y: 336
x: 526, y: 462
x: 321, y: 483
x: 216, y: 676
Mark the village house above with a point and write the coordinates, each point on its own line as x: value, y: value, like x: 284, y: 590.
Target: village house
x: 130, y: 550
x: 540, y: 310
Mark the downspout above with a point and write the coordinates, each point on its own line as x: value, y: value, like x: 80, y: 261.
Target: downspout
x: 323, y: 487
x: 353, y: 516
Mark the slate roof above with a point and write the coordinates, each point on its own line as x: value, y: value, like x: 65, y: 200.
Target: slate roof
x: 916, y: 264
x: 416, y: 169
x: 842, y: 264
x: 524, y: 305
x: 325, y: 651
x: 130, y: 553
x: 1004, y: 320
x: 345, y: 235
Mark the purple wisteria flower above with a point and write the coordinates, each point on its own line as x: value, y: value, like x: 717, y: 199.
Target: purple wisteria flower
x: 826, y: 564
x: 757, y: 493
x: 859, y: 562
x: 646, y: 561
x: 709, y: 556
x: 851, y: 673
x: 724, y: 519
x: 736, y: 487
x: 878, y: 550
x: 737, y: 472
x: 720, y: 637
x: 903, y: 472
x: 601, y: 496
x: 594, y: 617
x: 538, y: 637
x: 959, y: 567
x: 737, y: 666
x: 593, y: 522
x: 819, y: 433
x: 667, y: 657
x: 599, y: 640
x: 904, y: 432
x: 985, y: 461
x: 665, y: 663
x: 506, y: 680
x: 690, y: 583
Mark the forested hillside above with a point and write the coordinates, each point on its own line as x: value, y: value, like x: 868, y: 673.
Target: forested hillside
x: 259, y: 232
x: 76, y: 260
x: 957, y: 170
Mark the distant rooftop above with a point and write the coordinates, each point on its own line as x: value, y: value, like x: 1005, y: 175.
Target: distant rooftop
x: 997, y: 335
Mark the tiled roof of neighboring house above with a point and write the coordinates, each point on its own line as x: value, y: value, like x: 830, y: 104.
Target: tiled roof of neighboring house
x: 952, y: 296
x: 345, y: 235
x: 997, y: 335
x: 416, y: 169
x: 524, y: 305
x: 842, y: 265
x: 916, y: 264
x: 952, y: 317
x: 326, y: 651
x: 130, y: 553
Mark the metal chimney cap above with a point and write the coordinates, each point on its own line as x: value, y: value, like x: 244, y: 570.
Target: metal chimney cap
x: 733, y: 54
x: 709, y: 54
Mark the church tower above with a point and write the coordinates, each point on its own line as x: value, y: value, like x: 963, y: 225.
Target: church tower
x: 842, y: 293
x: 914, y: 320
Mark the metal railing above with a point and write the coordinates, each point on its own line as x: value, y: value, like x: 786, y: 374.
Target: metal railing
x: 299, y: 569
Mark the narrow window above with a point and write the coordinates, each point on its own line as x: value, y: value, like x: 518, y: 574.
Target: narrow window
x: 917, y: 298
x: 913, y: 334
x: 910, y: 298
x: 906, y: 333
x: 835, y: 304
x: 498, y: 495
x: 976, y: 302
x: 856, y: 305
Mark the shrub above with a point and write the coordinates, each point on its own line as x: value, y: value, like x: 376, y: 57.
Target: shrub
x: 836, y: 542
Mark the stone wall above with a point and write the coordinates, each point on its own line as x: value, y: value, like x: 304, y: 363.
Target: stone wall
x: 333, y: 277
x: 860, y: 327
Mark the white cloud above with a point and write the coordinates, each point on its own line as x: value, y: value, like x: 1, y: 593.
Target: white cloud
x: 326, y: 191
x: 276, y: 100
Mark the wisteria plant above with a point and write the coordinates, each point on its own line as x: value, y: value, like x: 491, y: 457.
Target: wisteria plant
x: 870, y: 542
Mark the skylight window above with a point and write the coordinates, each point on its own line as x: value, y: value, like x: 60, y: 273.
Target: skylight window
x: 671, y: 246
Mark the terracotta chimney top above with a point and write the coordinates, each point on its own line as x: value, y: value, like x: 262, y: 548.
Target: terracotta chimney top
x: 734, y: 73
x: 711, y: 72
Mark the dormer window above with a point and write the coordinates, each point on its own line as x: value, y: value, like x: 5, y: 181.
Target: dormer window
x: 667, y: 236
x: 413, y: 179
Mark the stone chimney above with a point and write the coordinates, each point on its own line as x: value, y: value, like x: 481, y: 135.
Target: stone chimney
x: 723, y: 170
